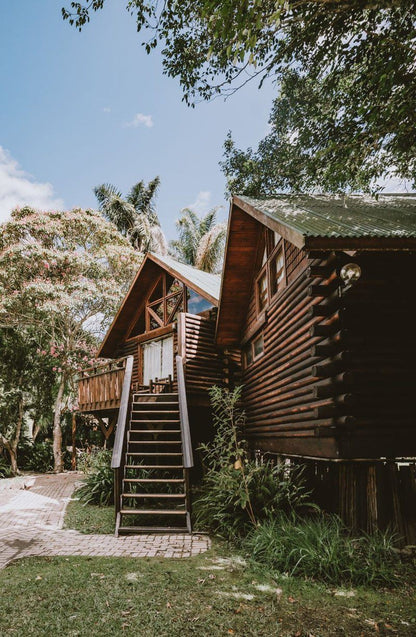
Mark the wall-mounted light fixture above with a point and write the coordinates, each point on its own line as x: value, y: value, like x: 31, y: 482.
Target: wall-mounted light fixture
x: 350, y: 273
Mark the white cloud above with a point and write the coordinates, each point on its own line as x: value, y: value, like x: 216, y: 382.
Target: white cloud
x: 140, y: 119
x: 18, y: 188
x: 202, y: 202
x: 106, y: 109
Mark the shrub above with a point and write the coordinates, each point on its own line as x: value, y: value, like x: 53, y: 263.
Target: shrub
x: 320, y: 547
x: 237, y: 493
x: 5, y: 471
x: 98, y: 484
x: 38, y: 457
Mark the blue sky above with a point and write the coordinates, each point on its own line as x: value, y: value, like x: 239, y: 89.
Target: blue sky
x: 80, y: 109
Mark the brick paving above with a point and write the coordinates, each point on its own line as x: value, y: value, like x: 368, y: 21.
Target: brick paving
x: 31, y: 518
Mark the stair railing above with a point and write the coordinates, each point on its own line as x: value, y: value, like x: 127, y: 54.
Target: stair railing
x: 188, y: 460
x: 120, y: 437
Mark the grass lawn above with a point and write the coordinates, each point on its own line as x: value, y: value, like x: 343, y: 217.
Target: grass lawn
x: 89, y: 518
x: 209, y: 595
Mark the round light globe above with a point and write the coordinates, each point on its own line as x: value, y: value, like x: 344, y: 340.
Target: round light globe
x: 350, y: 272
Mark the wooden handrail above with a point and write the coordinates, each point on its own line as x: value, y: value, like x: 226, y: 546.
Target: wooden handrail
x: 99, y: 369
x: 122, y: 415
x: 188, y: 460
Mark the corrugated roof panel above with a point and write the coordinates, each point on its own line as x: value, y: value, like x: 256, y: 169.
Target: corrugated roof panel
x: 209, y: 283
x: 389, y: 216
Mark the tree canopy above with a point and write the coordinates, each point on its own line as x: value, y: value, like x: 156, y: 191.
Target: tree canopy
x: 62, y: 277
x: 344, y: 71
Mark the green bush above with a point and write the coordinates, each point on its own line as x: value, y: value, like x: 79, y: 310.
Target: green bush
x: 98, y: 484
x: 320, y: 547
x: 38, y: 456
x: 237, y: 493
x: 5, y: 471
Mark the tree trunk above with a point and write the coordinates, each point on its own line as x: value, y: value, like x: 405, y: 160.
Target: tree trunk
x: 13, y: 462
x: 57, y: 430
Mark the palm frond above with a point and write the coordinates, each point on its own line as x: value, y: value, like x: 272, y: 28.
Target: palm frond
x: 158, y: 241
x: 211, y: 249
x: 104, y: 193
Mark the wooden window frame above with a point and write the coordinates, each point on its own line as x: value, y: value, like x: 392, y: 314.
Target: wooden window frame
x: 167, y: 316
x: 278, y: 250
x: 272, y: 251
x: 250, y: 346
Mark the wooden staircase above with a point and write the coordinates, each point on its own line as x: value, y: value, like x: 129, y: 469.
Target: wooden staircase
x: 154, y: 491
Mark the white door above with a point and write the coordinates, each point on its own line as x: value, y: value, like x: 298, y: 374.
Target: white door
x: 157, y: 359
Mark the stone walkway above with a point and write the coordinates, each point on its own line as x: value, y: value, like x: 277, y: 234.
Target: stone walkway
x: 31, y: 519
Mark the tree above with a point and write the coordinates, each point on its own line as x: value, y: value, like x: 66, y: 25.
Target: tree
x: 62, y: 277
x: 135, y: 215
x: 201, y: 240
x: 25, y: 386
x: 355, y: 58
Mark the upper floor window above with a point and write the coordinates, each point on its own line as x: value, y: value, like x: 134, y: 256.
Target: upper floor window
x: 271, y: 277
x: 262, y: 293
x: 277, y: 272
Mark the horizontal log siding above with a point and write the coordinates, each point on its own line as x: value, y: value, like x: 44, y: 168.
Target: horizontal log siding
x: 204, y: 362
x: 338, y: 366
x: 295, y: 260
x: 283, y: 413
x: 381, y: 326
x: 130, y: 348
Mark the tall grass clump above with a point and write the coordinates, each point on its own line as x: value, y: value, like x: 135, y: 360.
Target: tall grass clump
x: 321, y: 548
x: 98, y: 485
x: 238, y: 493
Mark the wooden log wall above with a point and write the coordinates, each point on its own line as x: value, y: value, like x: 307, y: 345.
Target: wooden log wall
x: 204, y: 362
x: 335, y: 375
x: 379, y: 324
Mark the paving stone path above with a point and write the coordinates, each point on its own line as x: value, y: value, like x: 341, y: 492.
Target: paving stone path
x: 31, y: 518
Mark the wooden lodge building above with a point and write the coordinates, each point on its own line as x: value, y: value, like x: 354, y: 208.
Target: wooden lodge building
x: 313, y: 316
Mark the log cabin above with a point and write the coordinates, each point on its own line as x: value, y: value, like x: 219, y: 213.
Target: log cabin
x: 317, y: 294
x: 154, y: 390
x: 313, y: 317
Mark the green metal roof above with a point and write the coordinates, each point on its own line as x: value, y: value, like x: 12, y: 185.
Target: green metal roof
x: 204, y: 281
x: 357, y: 216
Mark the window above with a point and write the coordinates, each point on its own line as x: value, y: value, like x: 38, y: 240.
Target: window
x: 197, y: 303
x: 253, y: 350
x: 157, y: 359
x: 277, y: 272
x: 262, y: 290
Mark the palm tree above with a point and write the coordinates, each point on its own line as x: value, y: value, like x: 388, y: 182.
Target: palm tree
x: 201, y: 240
x: 134, y: 215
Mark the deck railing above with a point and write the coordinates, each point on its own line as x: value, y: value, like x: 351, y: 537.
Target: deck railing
x: 100, y: 387
x: 188, y: 460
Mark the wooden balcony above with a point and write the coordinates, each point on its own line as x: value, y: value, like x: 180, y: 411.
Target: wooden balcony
x: 100, y: 387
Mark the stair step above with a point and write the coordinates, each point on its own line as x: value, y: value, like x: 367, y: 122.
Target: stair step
x: 153, y: 466
x: 154, y: 402
x: 155, y: 431
x: 154, y: 495
x: 155, y: 411
x: 152, y: 529
x: 164, y: 480
x: 152, y: 512
x: 155, y: 442
x: 148, y: 453
x: 153, y: 420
